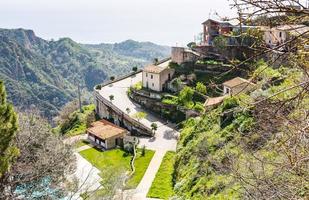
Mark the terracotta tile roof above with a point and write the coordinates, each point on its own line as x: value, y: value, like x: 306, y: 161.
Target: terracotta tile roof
x: 236, y: 81
x: 214, y: 101
x: 154, y: 69
x: 104, y: 129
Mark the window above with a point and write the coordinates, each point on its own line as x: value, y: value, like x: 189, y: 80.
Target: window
x: 269, y: 41
x: 228, y: 90
x: 280, y: 34
x: 146, y: 74
x: 152, y: 84
x: 151, y: 76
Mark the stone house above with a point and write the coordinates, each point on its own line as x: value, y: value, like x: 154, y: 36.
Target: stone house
x: 106, y: 134
x: 181, y: 55
x: 155, y: 77
x: 237, y: 85
x: 279, y: 35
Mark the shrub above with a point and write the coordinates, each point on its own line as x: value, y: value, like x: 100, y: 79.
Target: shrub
x: 143, y: 150
x: 139, y: 115
x: 129, y: 148
x: 201, y: 88
x: 170, y: 99
x: 199, y: 107
x: 154, y: 127
x: 186, y: 95
x: 173, y: 65
x: 134, y: 69
x: 138, y: 86
x: 98, y: 87
x: 191, y: 45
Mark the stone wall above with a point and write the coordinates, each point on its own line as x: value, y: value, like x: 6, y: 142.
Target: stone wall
x: 228, y: 53
x: 157, y: 107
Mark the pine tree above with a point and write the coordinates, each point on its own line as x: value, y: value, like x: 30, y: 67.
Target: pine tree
x: 8, y: 128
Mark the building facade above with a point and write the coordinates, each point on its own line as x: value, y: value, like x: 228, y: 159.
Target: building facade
x: 155, y: 77
x: 106, y: 134
x: 213, y: 28
x: 279, y: 35
x: 181, y: 55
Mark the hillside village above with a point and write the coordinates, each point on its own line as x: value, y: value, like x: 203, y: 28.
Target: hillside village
x: 145, y: 109
x: 225, y: 117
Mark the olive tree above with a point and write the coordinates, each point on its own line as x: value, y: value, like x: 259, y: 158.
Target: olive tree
x: 139, y: 115
x: 44, y: 162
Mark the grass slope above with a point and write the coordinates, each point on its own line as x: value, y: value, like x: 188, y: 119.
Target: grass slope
x: 77, y: 123
x: 162, y: 186
x: 119, y: 161
x: 141, y: 164
x: 216, y: 151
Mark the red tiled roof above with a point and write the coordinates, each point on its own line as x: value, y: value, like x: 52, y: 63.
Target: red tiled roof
x: 104, y: 129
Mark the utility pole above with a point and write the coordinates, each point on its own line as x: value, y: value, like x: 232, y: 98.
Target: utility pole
x: 79, y: 98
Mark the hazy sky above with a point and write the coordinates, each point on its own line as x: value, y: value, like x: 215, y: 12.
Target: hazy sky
x: 94, y: 21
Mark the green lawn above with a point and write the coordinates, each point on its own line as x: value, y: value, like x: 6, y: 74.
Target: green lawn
x: 162, y: 186
x: 141, y: 164
x: 118, y: 160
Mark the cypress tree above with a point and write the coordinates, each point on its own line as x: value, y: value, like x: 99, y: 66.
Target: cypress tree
x: 8, y: 128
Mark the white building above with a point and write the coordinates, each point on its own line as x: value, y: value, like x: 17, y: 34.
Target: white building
x: 155, y: 77
x: 279, y: 35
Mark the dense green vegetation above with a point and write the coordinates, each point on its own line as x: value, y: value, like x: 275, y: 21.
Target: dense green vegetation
x: 185, y: 98
x: 162, y: 186
x: 139, y: 50
x: 45, y: 73
x: 223, y: 149
x: 8, y: 128
x: 118, y: 160
x: 77, y: 121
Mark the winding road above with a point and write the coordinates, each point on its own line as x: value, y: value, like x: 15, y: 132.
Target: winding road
x: 164, y: 139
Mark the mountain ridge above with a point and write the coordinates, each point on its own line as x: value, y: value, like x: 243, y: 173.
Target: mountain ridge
x: 44, y: 74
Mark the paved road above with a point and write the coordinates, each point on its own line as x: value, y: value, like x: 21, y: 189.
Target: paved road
x: 163, y: 141
x: 164, y: 135
x: 87, y: 176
